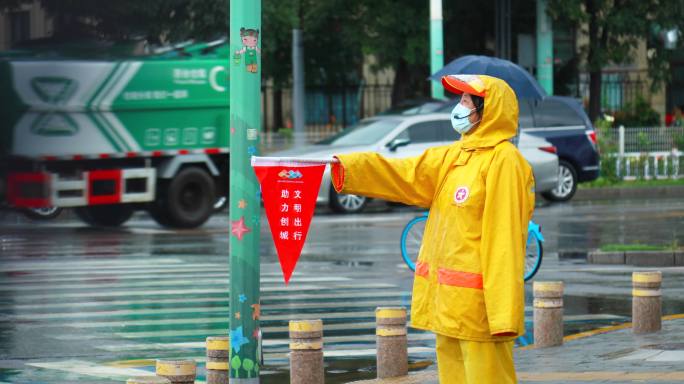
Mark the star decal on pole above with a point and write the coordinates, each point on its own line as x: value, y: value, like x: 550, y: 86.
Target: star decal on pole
x: 237, y: 339
x: 238, y: 228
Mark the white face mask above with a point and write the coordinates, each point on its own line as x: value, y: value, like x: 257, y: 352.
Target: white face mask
x: 460, y: 118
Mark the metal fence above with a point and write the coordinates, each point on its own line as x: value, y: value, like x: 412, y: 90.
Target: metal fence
x: 279, y: 141
x: 329, y: 108
x: 617, y: 88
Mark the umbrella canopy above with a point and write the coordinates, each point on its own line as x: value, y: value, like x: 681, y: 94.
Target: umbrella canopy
x: 524, y: 85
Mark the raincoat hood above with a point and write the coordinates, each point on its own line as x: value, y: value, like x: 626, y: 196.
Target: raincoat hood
x: 500, y: 114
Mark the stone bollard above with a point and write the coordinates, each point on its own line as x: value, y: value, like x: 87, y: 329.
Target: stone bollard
x: 646, y: 302
x: 392, y: 344
x: 306, y: 352
x: 148, y: 380
x: 177, y: 371
x: 218, y: 352
x: 548, y: 313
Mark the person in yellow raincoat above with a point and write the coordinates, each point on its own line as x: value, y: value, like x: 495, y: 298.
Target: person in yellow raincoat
x: 468, y: 285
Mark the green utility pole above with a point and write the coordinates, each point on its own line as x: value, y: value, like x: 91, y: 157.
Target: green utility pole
x: 245, y: 124
x: 436, y: 46
x: 544, y: 48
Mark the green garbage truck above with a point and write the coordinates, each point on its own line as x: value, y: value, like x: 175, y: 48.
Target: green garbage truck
x: 110, y: 137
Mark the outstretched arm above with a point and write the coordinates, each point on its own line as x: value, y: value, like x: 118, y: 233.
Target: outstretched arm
x: 410, y: 181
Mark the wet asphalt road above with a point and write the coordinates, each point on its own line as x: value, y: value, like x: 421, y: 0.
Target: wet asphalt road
x: 87, y: 305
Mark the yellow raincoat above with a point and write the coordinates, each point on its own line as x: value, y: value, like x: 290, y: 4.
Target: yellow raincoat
x: 480, y: 191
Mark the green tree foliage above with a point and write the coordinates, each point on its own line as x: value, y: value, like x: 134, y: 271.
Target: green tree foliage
x: 397, y: 34
x: 172, y: 20
x: 637, y: 113
x: 613, y: 29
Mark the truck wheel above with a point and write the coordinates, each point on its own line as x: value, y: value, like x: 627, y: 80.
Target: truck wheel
x: 110, y: 215
x: 188, y: 202
x: 47, y: 213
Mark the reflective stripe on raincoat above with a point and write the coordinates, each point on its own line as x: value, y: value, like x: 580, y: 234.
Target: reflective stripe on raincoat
x: 480, y: 192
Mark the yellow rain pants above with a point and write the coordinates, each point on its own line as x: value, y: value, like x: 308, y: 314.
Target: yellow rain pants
x: 472, y: 362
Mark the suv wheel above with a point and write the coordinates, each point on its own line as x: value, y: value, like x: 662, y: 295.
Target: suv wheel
x: 567, y: 183
x: 345, y: 203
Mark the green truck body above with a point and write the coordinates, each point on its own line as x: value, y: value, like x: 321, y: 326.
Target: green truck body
x: 66, y: 119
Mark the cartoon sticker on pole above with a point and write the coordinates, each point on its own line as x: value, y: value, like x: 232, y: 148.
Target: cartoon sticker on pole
x: 250, y: 49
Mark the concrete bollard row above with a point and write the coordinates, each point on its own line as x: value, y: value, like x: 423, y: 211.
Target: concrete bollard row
x: 306, y: 352
x: 177, y: 371
x: 646, y: 302
x: 392, y: 343
x: 548, y: 313
x: 218, y: 353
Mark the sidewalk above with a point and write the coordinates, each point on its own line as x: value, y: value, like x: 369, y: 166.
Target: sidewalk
x: 607, y: 355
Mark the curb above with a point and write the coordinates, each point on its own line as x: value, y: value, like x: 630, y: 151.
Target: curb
x: 638, y: 258
x: 606, y: 193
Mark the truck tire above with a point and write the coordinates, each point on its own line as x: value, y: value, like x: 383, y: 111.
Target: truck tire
x: 187, y: 201
x: 110, y: 215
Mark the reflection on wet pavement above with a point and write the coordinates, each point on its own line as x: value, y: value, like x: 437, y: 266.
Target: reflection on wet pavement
x: 90, y: 305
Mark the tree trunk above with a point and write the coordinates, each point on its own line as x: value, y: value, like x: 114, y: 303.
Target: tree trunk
x: 594, y: 94
x: 409, y: 82
x: 277, y: 109
x: 399, y: 87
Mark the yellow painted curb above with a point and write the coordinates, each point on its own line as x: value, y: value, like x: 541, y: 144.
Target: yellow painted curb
x: 218, y: 366
x: 306, y: 325
x: 175, y: 367
x: 390, y: 313
x: 148, y: 380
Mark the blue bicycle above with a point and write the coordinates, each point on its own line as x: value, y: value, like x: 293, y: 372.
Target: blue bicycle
x: 412, y: 236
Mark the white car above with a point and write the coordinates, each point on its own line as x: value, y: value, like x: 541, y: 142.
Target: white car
x: 406, y: 136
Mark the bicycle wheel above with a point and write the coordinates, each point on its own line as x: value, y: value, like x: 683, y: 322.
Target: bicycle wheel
x: 411, y: 238
x: 533, y: 255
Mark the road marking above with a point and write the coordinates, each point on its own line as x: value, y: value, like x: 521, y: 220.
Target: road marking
x: 329, y: 341
x: 278, y: 288
x: 292, y: 300
x: 169, y: 311
x: 154, y: 282
x: 82, y: 367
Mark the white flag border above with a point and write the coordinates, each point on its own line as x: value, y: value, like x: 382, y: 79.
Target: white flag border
x: 263, y: 161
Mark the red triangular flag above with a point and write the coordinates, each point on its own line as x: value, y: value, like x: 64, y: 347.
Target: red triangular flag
x: 289, y: 191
